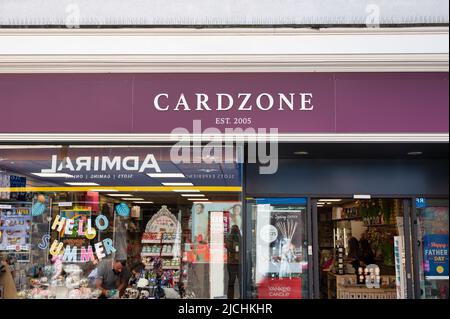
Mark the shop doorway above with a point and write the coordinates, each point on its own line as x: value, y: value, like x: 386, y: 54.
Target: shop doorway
x: 430, y: 235
x: 360, y: 248
x: 278, y: 255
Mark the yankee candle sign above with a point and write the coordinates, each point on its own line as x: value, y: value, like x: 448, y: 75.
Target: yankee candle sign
x: 435, y: 250
x: 70, y: 253
x: 283, y: 288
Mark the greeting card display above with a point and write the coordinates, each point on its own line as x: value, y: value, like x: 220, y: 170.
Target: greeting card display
x: 15, y: 229
x: 161, y: 247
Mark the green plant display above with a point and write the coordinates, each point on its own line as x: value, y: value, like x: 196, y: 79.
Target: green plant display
x: 373, y: 209
x: 385, y: 210
x: 363, y: 210
x: 388, y: 252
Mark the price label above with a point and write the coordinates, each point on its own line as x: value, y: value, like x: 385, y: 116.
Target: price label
x: 65, y: 204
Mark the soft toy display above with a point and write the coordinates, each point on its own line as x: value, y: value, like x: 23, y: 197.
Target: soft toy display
x: 57, y: 267
x: 113, y: 293
x: 131, y: 293
x: 73, y: 278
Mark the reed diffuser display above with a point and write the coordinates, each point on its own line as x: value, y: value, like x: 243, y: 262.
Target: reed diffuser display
x: 287, y: 228
x: 286, y: 249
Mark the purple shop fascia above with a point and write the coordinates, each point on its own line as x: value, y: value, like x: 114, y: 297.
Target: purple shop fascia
x: 293, y: 103
x: 223, y: 103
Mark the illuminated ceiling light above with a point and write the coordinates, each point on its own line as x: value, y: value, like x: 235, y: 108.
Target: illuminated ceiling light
x: 330, y: 200
x: 144, y: 202
x: 186, y: 190
x: 362, y: 196
x: 177, y: 184
x: 119, y: 146
x: 53, y: 175
x: 132, y: 198
x: 19, y: 147
x: 82, y: 184
x: 208, y: 170
x: 301, y: 153
x: 415, y: 153
x: 198, y: 199
x: 166, y: 175
x: 193, y: 195
x: 119, y: 195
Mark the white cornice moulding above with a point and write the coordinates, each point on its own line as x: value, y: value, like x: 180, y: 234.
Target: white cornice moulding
x: 224, y: 63
x: 64, y: 32
x: 224, y: 50
x: 282, y: 137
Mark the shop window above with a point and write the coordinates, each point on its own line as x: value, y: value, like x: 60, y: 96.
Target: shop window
x: 432, y: 233
x: 118, y: 222
x: 361, y: 249
x: 279, y: 249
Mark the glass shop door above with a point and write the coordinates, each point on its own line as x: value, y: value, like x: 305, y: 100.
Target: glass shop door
x: 278, y: 252
x: 431, y: 248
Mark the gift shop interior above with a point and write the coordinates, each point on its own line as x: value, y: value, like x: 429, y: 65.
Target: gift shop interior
x: 361, y: 248
x: 350, y: 221
x: 119, y: 222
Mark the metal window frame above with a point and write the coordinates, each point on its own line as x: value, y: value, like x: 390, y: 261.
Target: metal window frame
x: 415, y: 240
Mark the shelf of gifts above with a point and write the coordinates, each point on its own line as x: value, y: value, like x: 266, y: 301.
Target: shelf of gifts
x: 16, y: 227
x: 165, y: 250
x: 150, y: 254
x: 159, y: 242
x: 157, y: 237
x: 380, y: 225
x: 157, y: 254
x: 15, y: 216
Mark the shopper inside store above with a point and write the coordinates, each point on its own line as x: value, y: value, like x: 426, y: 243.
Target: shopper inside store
x: 112, y: 279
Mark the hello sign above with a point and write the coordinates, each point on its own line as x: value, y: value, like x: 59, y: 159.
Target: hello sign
x: 84, y: 253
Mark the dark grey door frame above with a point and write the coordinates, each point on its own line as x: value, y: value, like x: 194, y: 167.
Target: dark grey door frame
x: 416, y: 244
x: 310, y: 246
x: 407, y: 233
x: 409, y: 211
x: 247, y: 263
x: 315, y: 265
x: 244, y: 268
